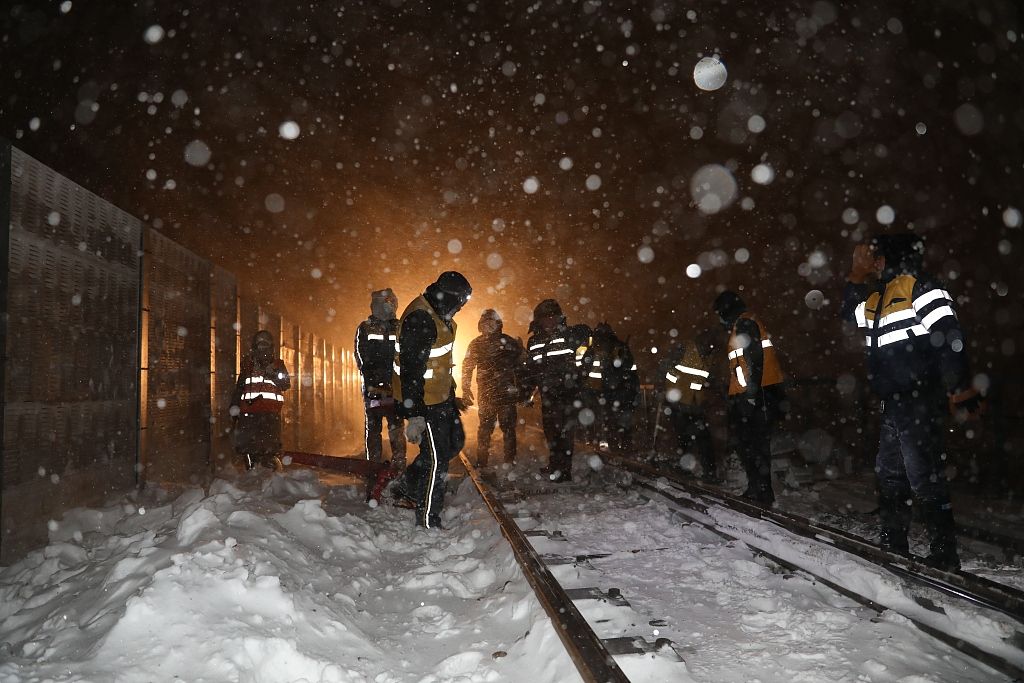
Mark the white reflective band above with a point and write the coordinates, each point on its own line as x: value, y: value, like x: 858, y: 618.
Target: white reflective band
x: 896, y: 317
x: 560, y: 340
x: 900, y: 335
x: 597, y: 363
x: 671, y: 378
x: 375, y: 337
x: 634, y: 367
x: 867, y: 341
x: 595, y: 375
x: 397, y: 347
x: 398, y: 370
x: 561, y: 352
x: 739, y: 376
x: 429, y: 374
x: 252, y: 396
x: 697, y: 387
x: 765, y: 343
x: 256, y: 380
x: 928, y: 297
x: 438, y: 351
x: 936, y: 315
x: 693, y: 371
x: 538, y: 356
x: 579, y: 364
x: 537, y: 346
x: 862, y: 320
x: 392, y: 337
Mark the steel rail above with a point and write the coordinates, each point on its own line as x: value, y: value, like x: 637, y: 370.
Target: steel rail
x: 973, y: 651
x: 592, y: 659
x: 994, y: 661
x: 961, y: 585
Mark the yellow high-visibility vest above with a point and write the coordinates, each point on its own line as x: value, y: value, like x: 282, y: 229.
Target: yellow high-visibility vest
x: 438, y: 380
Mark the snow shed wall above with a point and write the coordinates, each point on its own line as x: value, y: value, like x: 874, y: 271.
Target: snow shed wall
x: 87, y: 291
x: 70, y: 399
x: 175, y: 404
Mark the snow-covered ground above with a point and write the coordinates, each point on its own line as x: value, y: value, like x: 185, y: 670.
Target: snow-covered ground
x: 292, y: 577
x: 272, y: 579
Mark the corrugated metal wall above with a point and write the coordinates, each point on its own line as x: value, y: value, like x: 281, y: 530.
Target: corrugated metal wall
x: 88, y: 292
x: 71, y: 368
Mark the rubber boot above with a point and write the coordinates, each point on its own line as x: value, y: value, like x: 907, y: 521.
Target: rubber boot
x: 894, y: 516
x: 942, y: 532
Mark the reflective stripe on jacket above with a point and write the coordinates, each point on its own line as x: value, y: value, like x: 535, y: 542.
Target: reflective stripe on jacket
x: 739, y: 373
x: 438, y: 381
x: 686, y: 381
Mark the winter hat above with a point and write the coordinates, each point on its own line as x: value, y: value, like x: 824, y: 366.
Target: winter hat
x: 548, y: 308
x: 262, y: 338
x: 729, y: 305
x: 903, y: 252
x: 454, y: 282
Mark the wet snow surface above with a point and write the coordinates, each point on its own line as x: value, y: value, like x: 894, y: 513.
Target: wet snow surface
x: 290, y: 578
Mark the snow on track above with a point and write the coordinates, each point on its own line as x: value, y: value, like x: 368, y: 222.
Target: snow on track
x: 274, y: 579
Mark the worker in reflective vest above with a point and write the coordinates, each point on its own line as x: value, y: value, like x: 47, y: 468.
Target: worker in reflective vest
x: 917, y: 365
x: 612, y: 387
x: 424, y: 389
x: 553, y: 368
x: 495, y: 358
x: 375, y: 353
x: 687, y: 379
x: 755, y: 392
x: 257, y: 402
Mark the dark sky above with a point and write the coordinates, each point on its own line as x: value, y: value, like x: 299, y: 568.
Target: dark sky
x: 420, y: 130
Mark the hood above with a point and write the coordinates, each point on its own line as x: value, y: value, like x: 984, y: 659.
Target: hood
x: 384, y: 304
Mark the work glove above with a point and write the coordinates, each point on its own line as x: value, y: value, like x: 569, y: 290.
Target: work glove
x: 966, y: 405
x: 462, y: 404
x: 414, y: 429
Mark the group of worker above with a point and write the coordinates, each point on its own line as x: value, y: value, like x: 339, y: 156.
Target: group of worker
x: 587, y: 379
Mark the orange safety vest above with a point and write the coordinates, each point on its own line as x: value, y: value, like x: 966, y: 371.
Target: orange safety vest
x: 738, y: 371
x: 438, y: 381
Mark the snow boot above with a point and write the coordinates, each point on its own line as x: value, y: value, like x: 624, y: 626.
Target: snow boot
x: 894, y: 515
x: 942, y: 532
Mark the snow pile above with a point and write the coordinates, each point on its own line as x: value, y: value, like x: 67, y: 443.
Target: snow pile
x: 278, y: 579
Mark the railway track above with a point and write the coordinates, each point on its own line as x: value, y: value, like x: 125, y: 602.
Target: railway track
x: 979, y: 618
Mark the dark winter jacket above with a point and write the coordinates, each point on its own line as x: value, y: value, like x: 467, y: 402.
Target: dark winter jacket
x: 608, y: 363
x: 551, y: 363
x: 496, y: 358
x: 912, y: 337
x: 375, y: 353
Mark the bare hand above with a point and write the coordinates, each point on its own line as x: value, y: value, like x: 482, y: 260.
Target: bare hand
x: 865, y: 263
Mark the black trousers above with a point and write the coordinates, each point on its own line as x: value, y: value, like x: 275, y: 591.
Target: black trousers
x: 910, y: 463
x: 373, y: 442
x: 693, y: 436
x: 504, y: 415
x: 425, y: 479
x: 752, y: 427
x: 558, y: 414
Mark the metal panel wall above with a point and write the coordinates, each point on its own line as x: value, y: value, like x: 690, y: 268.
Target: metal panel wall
x: 176, y: 402
x: 224, y: 357
x: 70, y: 373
